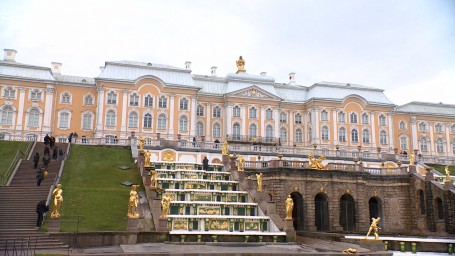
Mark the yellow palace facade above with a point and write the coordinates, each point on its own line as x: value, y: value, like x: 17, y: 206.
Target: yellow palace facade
x: 133, y: 98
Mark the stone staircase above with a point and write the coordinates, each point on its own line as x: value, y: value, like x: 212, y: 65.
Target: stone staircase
x: 18, y: 204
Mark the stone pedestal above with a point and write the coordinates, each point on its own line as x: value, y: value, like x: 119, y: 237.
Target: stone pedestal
x: 448, y: 185
x: 132, y: 225
x: 290, y: 231
x: 54, y: 225
x: 372, y: 244
x: 233, y: 164
x: 429, y: 176
x: 271, y: 207
x: 225, y: 160
x: 250, y: 184
x: 241, y: 176
x: 412, y: 168
x: 162, y: 225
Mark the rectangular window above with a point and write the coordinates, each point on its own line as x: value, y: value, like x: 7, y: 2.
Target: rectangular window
x: 64, y: 118
x: 87, y: 122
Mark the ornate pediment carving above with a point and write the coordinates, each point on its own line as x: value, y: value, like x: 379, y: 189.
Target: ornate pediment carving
x: 254, y: 92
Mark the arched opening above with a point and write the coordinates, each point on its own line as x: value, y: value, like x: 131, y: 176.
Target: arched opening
x: 374, y: 204
x: 298, y: 211
x: 347, y: 212
x: 439, y: 208
x: 422, y: 201
x: 321, y: 212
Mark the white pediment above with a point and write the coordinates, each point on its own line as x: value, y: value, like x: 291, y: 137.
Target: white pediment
x: 253, y: 92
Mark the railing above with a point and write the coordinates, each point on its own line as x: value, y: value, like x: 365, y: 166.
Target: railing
x: 20, y: 246
x: 19, y: 156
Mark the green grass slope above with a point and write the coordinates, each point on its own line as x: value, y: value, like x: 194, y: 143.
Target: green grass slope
x: 91, y: 188
x: 8, y: 150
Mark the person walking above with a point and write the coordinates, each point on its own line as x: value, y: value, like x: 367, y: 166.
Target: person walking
x: 205, y: 164
x: 60, y: 154
x: 46, y: 160
x: 40, y: 176
x: 41, y: 209
x: 36, y: 160
x: 55, y: 153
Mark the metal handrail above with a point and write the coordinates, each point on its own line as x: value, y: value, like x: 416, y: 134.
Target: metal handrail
x: 19, y: 155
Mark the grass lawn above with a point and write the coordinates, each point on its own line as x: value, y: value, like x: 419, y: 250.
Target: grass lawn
x: 91, y: 188
x: 441, y: 169
x: 8, y: 150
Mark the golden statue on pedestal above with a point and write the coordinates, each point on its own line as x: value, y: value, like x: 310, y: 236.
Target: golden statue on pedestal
x: 259, y: 181
x: 224, y: 149
x: 141, y: 142
x: 147, y: 155
x: 241, y: 164
x: 153, y: 179
x: 447, y: 178
x: 240, y: 65
x: 58, y: 200
x: 133, y: 203
x: 412, y: 158
x: 316, y: 163
x: 165, y: 203
x: 289, y: 207
x: 374, y: 227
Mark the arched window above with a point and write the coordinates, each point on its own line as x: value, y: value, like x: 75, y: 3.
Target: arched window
x: 87, y: 121
x: 269, y: 133
x: 148, y: 101
x: 383, y: 137
x: 253, y: 112
x: 353, y: 118
x: 354, y: 135
x: 342, y: 134
x: 402, y: 125
x: 200, y: 110
x: 162, y: 102
x: 440, y: 145
x: 382, y: 120
x: 148, y: 120
x: 199, y: 129
x: 269, y: 114
x: 299, y: 135
x: 283, y: 117
x: 438, y: 128
x: 365, y: 118
x: 236, y: 111
x: 298, y: 118
x: 134, y: 99
x: 111, y: 98
x: 33, y: 117
x: 162, y: 122
x: 253, y: 131
x: 366, y: 136
x: 66, y: 98
x: 133, y: 120
x: 183, y: 104
x: 341, y: 117
x: 236, y: 131
x: 183, y: 124
x: 324, y: 115
x: 216, y: 130
x: 423, y: 144
x: 7, y: 115
x: 216, y: 111
x: 325, y: 133
x: 404, y: 142
x: 63, y: 121
x: 88, y: 100
x: 110, y: 118
x: 283, y: 134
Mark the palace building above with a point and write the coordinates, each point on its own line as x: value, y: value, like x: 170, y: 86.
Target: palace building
x: 158, y: 100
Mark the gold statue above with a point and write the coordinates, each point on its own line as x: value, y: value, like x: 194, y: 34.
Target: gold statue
x: 165, y: 203
x: 412, y: 158
x: 224, y: 149
x: 350, y: 251
x: 447, y: 178
x: 153, y: 179
x: 168, y: 156
x: 58, y: 200
x: 147, y: 155
x: 133, y: 203
x: 374, y: 226
x: 240, y: 65
x: 141, y: 142
x: 259, y: 181
x: 241, y: 164
x: 316, y: 163
x: 289, y: 207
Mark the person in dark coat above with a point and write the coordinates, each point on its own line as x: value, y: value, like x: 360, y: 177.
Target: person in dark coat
x: 205, y: 164
x: 40, y: 176
x: 35, y: 160
x: 194, y: 141
x: 70, y: 137
x: 55, y: 153
x: 46, y: 160
x: 41, y: 209
x: 47, y: 139
x: 60, y: 154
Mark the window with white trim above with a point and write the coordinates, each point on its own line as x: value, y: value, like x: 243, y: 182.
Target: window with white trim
x: 162, y: 122
x: 342, y: 134
x: 183, y: 124
x: 216, y: 130
x: 112, y: 98
x: 88, y: 100
x: 253, y: 112
x: 63, y: 120
x: 353, y: 118
x: 134, y: 99
x: 324, y: 115
x: 9, y: 92
x: 283, y: 117
x: 200, y: 110
x: 440, y: 145
x: 423, y: 144
x: 269, y: 114
x: 382, y: 120
x: 33, y: 117
x: 325, y: 133
x: 148, y: 101
x: 183, y: 104
x: 66, y: 97
x: 298, y: 135
x: 422, y: 127
x: 133, y: 120
x: 7, y: 115
x: 162, y: 102
x: 87, y: 121
x: 110, y: 118
x: 253, y: 131
x: 403, y: 142
x: 148, y: 121
x: 35, y: 95
x: 341, y: 117
x: 438, y: 128
x: 365, y: 118
x: 383, y: 138
x: 298, y: 118
x: 283, y: 134
x: 199, y: 129
x: 236, y: 131
x: 236, y: 111
x: 402, y: 125
x: 269, y: 133
x: 366, y: 136
x: 354, y: 135
x: 216, y: 111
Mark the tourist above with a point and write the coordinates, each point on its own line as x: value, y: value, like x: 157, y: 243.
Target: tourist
x: 40, y: 176
x: 75, y: 137
x: 36, y: 160
x: 205, y: 164
x: 46, y: 160
x: 46, y: 139
x: 217, y: 143
x: 52, y: 142
x: 194, y: 141
x: 54, y: 153
x: 60, y: 154
x: 70, y: 137
x: 41, y: 209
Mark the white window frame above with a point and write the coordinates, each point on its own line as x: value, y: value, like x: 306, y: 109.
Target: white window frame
x: 133, y: 120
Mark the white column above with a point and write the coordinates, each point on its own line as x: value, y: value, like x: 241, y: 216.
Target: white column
x: 100, y: 112
x: 305, y: 128
x: 291, y: 129
x: 448, y: 145
x: 432, y: 149
x: 228, y: 126
x: 414, y: 138
x: 243, y: 116
x: 171, y: 115
x: 48, y: 109
x: 277, y: 122
x: 193, y: 117
x: 262, y: 122
x: 124, y: 107
x: 335, y: 126
x: 315, y: 125
x: 208, y: 127
x: 391, y: 133
x: 20, y: 111
x: 373, y: 130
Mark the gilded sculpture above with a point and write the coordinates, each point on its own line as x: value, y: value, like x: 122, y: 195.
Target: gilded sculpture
x: 147, y: 155
x: 153, y: 179
x: 350, y: 251
x: 141, y: 142
x: 289, y: 207
x: 374, y: 227
x: 58, y: 200
x: 133, y: 203
x: 241, y: 164
x: 224, y: 149
x: 168, y: 156
x: 259, y: 181
x: 165, y: 204
x: 412, y: 158
x: 447, y: 178
x: 240, y: 65
x: 316, y: 163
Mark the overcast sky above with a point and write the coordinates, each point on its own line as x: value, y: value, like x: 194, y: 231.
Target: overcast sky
x: 406, y: 48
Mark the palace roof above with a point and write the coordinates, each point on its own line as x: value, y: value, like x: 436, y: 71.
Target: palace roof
x: 18, y: 70
x: 428, y: 108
